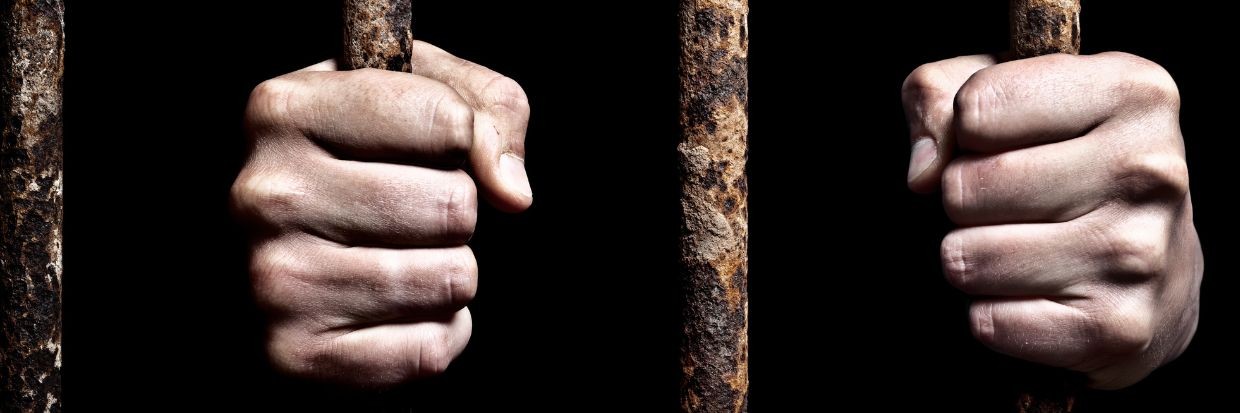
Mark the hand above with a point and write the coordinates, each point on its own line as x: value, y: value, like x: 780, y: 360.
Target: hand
x: 355, y: 190
x: 1071, y: 191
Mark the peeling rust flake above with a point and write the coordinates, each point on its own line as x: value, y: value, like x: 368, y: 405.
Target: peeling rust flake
x: 31, y: 206
x: 378, y: 34
x: 714, y: 204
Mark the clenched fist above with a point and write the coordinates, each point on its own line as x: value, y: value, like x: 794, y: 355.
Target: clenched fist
x: 1067, y: 177
x: 357, y: 190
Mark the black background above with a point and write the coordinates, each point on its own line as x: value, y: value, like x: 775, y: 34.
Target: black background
x: 577, y: 305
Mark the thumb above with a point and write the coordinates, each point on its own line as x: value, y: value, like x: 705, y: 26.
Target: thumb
x: 501, y: 112
x: 498, y: 153
x: 929, y: 94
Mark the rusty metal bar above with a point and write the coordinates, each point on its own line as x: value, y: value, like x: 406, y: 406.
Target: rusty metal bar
x: 378, y: 34
x: 1040, y: 27
x: 31, y: 205
x: 714, y: 84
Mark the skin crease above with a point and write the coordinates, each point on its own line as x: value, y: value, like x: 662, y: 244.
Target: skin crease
x: 1067, y: 178
x: 360, y: 206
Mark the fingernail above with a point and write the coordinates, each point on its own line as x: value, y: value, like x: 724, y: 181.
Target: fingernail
x: 513, y: 169
x: 925, y: 151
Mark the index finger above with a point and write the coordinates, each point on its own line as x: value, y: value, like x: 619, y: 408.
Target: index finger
x: 1056, y: 97
x: 368, y: 114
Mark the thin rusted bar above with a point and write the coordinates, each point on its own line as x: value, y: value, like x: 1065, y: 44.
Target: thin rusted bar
x: 31, y: 205
x: 378, y: 34
x: 1040, y: 27
x: 714, y: 85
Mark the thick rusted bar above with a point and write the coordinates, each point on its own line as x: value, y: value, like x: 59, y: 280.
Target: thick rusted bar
x: 31, y: 206
x: 1041, y: 27
x: 714, y: 204
x: 378, y: 34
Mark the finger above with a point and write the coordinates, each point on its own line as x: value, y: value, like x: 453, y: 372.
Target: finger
x: 394, y: 205
x: 928, y: 94
x: 1055, y: 97
x: 1060, y: 181
x: 379, y: 356
x: 500, y: 118
x: 1049, y: 183
x: 1089, y: 338
x: 1033, y: 329
x: 367, y: 114
x: 1112, y: 245
x: 1045, y: 260
x: 362, y: 285
x: 364, y: 204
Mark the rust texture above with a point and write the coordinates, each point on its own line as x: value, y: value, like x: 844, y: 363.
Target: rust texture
x: 1040, y: 403
x: 1041, y: 27
x: 31, y: 206
x: 1043, y: 389
x: 378, y: 34
x: 714, y: 204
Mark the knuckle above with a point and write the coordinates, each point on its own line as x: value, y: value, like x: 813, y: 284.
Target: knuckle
x: 459, y: 210
x: 240, y: 194
x: 955, y: 265
x: 391, y: 270
x: 271, y: 270
x: 1153, y: 176
x: 504, y: 92
x: 269, y: 103
x: 458, y: 120
x: 1137, y: 251
x: 979, y: 96
x: 1146, y: 82
x: 1122, y: 333
x: 290, y: 353
x: 960, y: 181
x: 954, y: 189
x: 982, y: 324
x: 435, y: 354
x: 268, y: 197
x: 391, y: 273
x: 460, y: 274
x: 923, y: 84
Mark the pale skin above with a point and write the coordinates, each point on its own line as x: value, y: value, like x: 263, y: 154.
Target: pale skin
x: 1066, y: 175
x: 361, y: 187
x: 1067, y: 178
